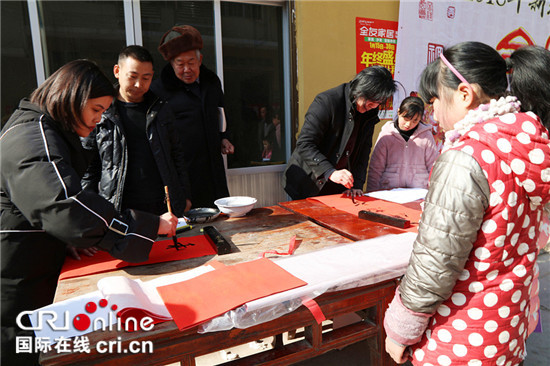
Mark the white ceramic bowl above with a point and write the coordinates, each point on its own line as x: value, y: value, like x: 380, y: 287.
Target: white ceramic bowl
x: 235, y: 206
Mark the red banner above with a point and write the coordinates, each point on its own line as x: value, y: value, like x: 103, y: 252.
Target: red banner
x: 376, y: 43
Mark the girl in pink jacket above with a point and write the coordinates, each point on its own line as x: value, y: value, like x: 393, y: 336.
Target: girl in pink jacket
x: 404, y: 152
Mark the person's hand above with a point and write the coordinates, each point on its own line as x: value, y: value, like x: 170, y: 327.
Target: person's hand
x: 354, y: 192
x: 188, y: 205
x: 343, y: 177
x: 74, y: 252
x: 167, y: 225
x: 227, y: 147
x: 396, y: 351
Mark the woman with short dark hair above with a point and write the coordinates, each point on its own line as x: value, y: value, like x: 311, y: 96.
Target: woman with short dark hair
x: 65, y: 94
x: 44, y: 210
x: 332, y: 151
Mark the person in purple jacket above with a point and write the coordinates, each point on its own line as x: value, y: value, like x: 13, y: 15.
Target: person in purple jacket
x: 404, y: 152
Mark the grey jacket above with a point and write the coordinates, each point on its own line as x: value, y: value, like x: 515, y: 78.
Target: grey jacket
x: 458, y: 178
x: 471, y: 273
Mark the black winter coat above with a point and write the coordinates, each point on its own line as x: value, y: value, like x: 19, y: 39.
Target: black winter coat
x: 107, y: 171
x: 197, y: 120
x: 327, y: 128
x: 43, y: 209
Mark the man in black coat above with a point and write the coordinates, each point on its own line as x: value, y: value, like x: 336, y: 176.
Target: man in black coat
x: 196, y: 97
x: 333, y: 148
x: 136, y: 152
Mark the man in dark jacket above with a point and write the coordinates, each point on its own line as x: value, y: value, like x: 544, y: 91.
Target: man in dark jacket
x: 136, y: 150
x: 196, y: 97
x: 333, y: 148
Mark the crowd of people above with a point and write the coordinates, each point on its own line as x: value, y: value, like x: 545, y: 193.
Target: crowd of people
x: 85, y: 165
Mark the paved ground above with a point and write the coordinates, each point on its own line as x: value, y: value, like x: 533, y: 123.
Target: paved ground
x: 538, y: 344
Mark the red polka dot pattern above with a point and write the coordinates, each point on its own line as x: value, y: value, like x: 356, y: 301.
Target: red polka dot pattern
x: 486, y: 319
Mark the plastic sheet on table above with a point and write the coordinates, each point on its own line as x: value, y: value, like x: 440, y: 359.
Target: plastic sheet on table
x: 337, y: 268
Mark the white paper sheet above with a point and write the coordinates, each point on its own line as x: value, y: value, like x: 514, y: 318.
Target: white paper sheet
x: 366, y: 261
x: 133, y: 294
x: 400, y: 195
x: 337, y: 268
x: 117, y: 290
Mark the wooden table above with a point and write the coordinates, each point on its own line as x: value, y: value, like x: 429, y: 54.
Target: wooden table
x: 341, y: 222
x: 261, y: 230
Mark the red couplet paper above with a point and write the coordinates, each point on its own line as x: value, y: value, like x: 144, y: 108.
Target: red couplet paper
x: 162, y: 251
x: 138, y: 314
x: 211, y: 294
x: 410, y: 211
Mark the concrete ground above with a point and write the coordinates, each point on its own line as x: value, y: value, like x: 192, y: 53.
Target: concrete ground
x: 538, y: 344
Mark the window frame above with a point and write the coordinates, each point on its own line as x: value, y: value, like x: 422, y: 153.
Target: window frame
x: 133, y: 30
x: 286, y: 81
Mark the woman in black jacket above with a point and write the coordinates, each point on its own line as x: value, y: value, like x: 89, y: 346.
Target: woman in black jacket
x: 44, y: 210
x: 332, y: 151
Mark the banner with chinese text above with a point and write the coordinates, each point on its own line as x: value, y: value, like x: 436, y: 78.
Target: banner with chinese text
x: 426, y: 27
x: 376, y: 41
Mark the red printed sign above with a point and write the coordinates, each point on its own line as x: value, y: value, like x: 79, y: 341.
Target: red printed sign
x: 376, y: 43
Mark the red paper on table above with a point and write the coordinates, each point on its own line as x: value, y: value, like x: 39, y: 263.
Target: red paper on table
x: 409, y: 211
x: 211, y: 294
x: 162, y: 251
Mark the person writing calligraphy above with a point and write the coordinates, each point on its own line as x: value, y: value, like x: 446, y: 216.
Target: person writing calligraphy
x: 332, y: 151
x: 43, y: 208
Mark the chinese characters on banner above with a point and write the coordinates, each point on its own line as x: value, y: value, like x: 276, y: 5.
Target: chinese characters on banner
x: 376, y: 45
x: 426, y: 27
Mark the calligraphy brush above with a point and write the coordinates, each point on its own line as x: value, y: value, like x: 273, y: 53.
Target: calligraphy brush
x: 174, y: 238
x: 349, y: 168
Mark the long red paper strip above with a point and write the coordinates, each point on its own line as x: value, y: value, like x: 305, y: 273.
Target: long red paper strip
x: 162, y: 251
x: 315, y: 309
x: 410, y: 211
x: 201, y: 298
